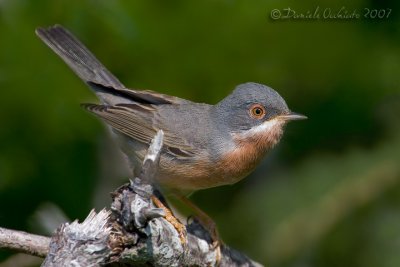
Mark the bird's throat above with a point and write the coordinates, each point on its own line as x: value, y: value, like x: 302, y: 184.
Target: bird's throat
x: 249, y: 149
x: 256, y: 142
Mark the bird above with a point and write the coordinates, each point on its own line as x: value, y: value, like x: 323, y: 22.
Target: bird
x: 204, y: 145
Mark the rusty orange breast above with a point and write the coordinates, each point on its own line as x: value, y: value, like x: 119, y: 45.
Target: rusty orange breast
x: 230, y: 167
x: 250, y: 148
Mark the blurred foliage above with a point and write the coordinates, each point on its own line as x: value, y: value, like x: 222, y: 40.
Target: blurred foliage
x: 328, y: 195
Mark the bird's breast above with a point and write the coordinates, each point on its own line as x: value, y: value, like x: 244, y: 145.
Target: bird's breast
x: 242, y: 159
x: 229, y: 168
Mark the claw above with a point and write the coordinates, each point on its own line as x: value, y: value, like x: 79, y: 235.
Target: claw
x: 171, y: 218
x: 208, y: 224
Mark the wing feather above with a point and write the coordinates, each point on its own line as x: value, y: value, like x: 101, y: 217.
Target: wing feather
x: 129, y: 119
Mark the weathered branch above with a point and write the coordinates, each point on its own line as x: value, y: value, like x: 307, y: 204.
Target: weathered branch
x: 134, y: 233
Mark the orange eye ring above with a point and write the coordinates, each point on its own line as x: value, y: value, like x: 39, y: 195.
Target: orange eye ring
x: 257, y: 111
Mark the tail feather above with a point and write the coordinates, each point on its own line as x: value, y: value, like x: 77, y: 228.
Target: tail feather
x: 107, y: 87
x: 77, y: 56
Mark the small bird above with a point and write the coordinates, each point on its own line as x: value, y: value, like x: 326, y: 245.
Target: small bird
x: 204, y: 145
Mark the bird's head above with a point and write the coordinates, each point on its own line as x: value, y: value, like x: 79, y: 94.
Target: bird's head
x: 255, y: 113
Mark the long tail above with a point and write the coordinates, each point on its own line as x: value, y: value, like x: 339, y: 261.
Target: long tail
x: 106, y: 86
x: 77, y: 56
x: 82, y: 62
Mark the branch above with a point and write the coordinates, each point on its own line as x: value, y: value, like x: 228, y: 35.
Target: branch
x: 24, y: 242
x: 134, y: 233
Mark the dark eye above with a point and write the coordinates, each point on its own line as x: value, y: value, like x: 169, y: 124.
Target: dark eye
x: 257, y: 111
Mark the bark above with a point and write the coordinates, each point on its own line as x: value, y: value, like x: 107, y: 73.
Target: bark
x: 24, y: 242
x: 134, y: 232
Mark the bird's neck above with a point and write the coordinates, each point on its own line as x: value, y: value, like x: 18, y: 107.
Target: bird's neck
x: 256, y: 145
x: 260, y: 138
x: 247, y: 153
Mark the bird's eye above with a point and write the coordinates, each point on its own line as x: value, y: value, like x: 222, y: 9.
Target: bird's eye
x: 257, y: 111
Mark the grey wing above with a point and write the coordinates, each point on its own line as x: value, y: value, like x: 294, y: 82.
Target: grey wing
x: 128, y: 119
x: 106, y: 86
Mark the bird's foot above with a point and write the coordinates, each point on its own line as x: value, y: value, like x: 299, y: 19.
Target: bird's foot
x: 211, y: 227
x: 171, y: 219
x: 208, y: 224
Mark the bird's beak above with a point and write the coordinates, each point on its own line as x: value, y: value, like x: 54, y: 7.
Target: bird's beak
x: 291, y: 116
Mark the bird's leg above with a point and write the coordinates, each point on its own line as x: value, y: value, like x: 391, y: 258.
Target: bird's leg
x: 171, y: 218
x: 207, y: 223
x: 204, y: 219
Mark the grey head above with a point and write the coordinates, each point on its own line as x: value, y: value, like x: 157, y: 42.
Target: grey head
x: 251, y: 105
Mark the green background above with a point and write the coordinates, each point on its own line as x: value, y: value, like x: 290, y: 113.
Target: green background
x: 327, y: 195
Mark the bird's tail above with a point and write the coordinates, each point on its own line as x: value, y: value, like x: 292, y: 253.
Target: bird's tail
x: 79, y: 58
x: 106, y: 86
